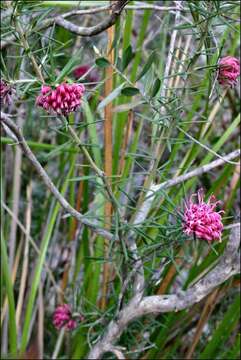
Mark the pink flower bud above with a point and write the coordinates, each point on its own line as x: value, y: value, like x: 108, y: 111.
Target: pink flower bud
x: 64, y: 99
x: 228, y: 71
x: 53, y: 95
x: 45, y: 89
x: 60, y: 89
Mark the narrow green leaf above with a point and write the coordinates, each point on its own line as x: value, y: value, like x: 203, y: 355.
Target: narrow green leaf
x: 10, y: 295
x: 130, y: 91
x: 142, y: 32
x: 147, y: 65
x: 92, y: 132
x: 156, y: 87
x: 116, y: 41
x: 128, y: 55
x: 110, y: 97
x: 102, y: 62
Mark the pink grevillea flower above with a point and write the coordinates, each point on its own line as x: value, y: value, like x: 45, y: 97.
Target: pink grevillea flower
x: 64, y: 99
x: 201, y: 219
x: 82, y: 70
x: 228, y: 71
x: 5, y: 93
x: 63, y: 318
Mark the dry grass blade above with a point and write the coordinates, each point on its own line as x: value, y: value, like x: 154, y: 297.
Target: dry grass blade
x: 108, y: 160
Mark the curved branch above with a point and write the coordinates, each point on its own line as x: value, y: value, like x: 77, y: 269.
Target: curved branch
x: 228, y: 265
x: 94, y: 30
x: 116, y: 10
x: 48, y: 182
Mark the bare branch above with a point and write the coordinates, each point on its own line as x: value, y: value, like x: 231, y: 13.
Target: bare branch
x: 94, y: 30
x: 48, y: 182
x: 228, y: 265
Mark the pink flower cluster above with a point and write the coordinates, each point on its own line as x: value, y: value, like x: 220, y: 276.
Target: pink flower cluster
x: 63, y: 318
x: 201, y: 218
x: 228, y: 71
x: 83, y: 69
x: 5, y: 93
x: 65, y: 99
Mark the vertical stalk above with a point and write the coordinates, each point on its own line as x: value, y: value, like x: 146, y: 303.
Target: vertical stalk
x: 108, y: 158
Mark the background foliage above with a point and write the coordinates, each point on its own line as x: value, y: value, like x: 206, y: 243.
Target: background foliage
x: 169, y: 116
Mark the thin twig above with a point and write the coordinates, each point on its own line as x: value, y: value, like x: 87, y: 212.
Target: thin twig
x: 205, y: 147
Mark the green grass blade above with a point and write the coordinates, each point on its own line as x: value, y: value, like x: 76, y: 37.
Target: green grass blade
x: 223, y: 331
x: 93, y: 136
x: 10, y: 295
